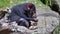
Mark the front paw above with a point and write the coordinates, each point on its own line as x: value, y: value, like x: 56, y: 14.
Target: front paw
x: 35, y: 20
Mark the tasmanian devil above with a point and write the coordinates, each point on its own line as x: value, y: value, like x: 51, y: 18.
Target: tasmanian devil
x: 23, y: 14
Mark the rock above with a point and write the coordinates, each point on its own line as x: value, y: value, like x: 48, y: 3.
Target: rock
x: 33, y: 23
x: 33, y: 27
x: 48, y: 21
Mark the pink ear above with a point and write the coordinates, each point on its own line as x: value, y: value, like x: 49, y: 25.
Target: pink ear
x: 29, y: 5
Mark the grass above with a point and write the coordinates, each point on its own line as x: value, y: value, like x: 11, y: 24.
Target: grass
x: 57, y: 30
x: 8, y: 3
x: 3, y: 3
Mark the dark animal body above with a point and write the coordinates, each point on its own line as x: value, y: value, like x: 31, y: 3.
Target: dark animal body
x: 22, y: 11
